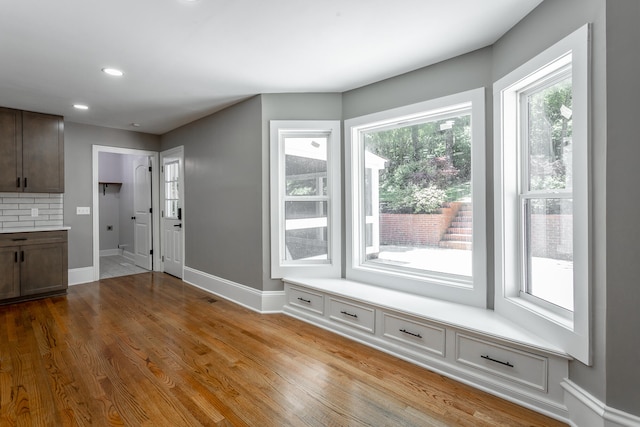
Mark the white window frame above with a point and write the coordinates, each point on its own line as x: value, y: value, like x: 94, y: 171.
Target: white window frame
x: 280, y: 267
x: 460, y: 289
x: 568, y: 332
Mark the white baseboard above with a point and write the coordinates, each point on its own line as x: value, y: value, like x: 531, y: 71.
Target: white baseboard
x: 260, y: 301
x: 588, y: 411
x: 109, y: 252
x: 130, y: 256
x: 80, y: 275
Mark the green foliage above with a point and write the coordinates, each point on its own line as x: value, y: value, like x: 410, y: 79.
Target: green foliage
x: 423, y: 164
x: 415, y: 200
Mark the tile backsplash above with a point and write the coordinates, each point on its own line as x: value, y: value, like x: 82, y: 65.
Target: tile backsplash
x: 17, y: 209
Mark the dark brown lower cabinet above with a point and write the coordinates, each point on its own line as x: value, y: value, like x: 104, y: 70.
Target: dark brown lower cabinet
x: 33, y: 265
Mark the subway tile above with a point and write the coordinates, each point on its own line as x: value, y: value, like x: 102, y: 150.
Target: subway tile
x: 47, y: 223
x: 8, y: 206
x: 14, y: 212
x: 34, y: 205
x: 50, y: 211
x: 18, y: 224
x: 8, y: 218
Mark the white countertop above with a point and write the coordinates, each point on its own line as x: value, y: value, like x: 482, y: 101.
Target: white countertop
x: 32, y: 229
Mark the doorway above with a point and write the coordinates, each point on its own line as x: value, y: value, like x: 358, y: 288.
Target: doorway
x: 172, y: 211
x: 128, y: 233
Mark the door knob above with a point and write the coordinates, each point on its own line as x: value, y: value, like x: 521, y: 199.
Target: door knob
x: 178, y: 225
x: 133, y: 217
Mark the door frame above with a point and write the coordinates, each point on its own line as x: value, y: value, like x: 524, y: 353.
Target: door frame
x: 155, y: 202
x: 172, y: 153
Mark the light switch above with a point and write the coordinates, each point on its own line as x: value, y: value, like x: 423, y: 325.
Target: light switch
x: 83, y: 210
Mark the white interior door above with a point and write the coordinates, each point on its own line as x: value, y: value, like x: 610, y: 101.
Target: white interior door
x: 172, y: 212
x: 142, y: 212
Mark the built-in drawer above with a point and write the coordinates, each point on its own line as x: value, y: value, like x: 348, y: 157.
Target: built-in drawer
x: 519, y: 366
x: 418, y: 334
x: 356, y: 315
x: 307, y: 300
x: 32, y: 238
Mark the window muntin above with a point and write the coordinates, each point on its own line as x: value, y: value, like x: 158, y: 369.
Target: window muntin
x: 379, y: 146
x: 546, y: 196
x: 171, y: 190
x: 305, y: 198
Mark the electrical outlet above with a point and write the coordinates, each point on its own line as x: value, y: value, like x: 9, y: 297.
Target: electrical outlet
x: 34, y: 212
x: 83, y: 210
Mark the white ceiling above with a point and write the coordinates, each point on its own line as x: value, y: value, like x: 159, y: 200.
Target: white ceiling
x: 184, y: 60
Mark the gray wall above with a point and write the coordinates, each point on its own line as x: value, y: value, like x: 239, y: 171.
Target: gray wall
x: 223, y: 192
x: 623, y: 204
x: 79, y: 139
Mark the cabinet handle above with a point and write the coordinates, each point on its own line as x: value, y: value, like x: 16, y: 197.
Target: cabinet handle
x: 21, y: 256
x: 16, y: 256
x: 496, y: 361
x: 404, y: 331
x: 308, y: 301
x: 25, y: 182
x: 346, y: 313
x: 18, y: 182
x: 19, y: 239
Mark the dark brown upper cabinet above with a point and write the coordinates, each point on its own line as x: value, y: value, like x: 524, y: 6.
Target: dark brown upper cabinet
x: 31, y: 152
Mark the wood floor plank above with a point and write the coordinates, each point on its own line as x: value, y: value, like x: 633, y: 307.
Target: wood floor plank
x: 149, y: 349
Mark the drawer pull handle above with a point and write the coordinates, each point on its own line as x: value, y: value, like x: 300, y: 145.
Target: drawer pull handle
x: 497, y: 361
x: 308, y: 301
x: 346, y: 313
x: 19, y: 240
x: 404, y: 331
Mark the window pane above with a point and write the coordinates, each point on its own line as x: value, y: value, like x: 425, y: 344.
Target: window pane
x: 171, y: 209
x: 549, y: 248
x: 306, y: 230
x: 549, y: 137
x: 306, y: 166
x: 417, y: 196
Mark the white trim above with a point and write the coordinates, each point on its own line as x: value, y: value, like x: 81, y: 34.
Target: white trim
x: 155, y: 202
x: 575, y: 337
x: 318, y: 268
x: 110, y: 252
x: 261, y: 301
x: 587, y: 410
x: 81, y: 275
x: 129, y: 256
x: 460, y: 289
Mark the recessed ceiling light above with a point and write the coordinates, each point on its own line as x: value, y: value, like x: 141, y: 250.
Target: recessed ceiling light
x: 81, y: 106
x: 112, y: 72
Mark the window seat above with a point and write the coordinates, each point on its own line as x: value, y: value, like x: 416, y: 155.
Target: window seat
x: 474, y: 319
x: 469, y: 344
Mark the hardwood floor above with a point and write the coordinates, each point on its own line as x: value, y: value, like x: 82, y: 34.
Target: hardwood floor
x: 150, y: 350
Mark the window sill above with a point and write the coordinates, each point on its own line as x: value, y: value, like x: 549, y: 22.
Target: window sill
x: 473, y: 319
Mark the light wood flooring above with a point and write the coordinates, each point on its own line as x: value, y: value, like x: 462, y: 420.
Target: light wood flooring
x: 149, y: 350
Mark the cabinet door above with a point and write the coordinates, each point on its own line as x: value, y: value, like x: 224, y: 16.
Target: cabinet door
x: 9, y: 273
x: 43, y: 268
x: 10, y: 149
x: 42, y: 153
